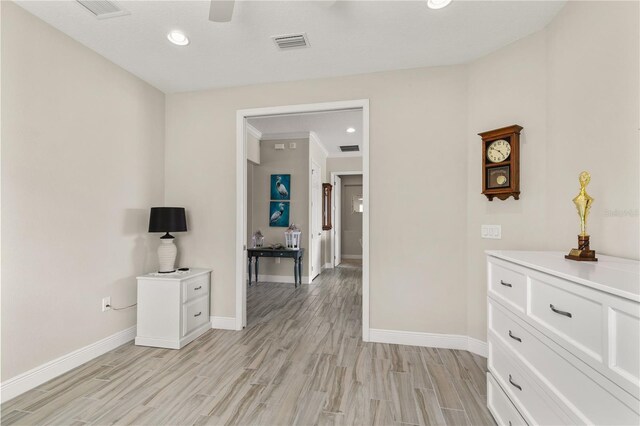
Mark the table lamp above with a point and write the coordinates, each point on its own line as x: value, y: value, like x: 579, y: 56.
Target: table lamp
x: 167, y: 219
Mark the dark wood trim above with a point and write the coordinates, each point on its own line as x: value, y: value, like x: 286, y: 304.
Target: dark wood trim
x: 326, y: 206
x: 512, y: 134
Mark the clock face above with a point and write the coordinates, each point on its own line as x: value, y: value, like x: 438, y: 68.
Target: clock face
x: 498, y: 151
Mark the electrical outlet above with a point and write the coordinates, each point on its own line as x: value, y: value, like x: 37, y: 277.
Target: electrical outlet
x: 106, y: 304
x: 277, y: 260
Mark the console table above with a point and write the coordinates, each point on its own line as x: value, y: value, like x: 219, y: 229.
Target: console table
x: 259, y: 252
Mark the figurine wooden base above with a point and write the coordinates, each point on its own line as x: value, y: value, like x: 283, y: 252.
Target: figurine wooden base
x: 582, y: 253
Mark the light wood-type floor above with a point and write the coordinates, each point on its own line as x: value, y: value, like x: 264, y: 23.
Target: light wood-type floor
x: 301, y: 360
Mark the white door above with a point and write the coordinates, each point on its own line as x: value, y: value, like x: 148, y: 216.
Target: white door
x: 316, y: 224
x: 337, y: 217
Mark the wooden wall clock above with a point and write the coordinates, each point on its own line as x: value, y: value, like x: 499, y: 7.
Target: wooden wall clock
x: 326, y: 206
x: 501, y: 162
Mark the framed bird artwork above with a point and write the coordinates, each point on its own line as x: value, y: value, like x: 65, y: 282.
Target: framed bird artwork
x: 279, y: 214
x: 281, y: 187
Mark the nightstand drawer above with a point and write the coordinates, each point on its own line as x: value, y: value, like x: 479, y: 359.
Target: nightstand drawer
x: 195, y: 288
x: 195, y: 314
x: 507, y: 284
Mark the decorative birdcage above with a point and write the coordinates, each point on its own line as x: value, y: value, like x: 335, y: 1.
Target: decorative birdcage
x: 292, y: 237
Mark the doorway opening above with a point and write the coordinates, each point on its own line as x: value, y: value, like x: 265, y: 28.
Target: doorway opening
x: 347, y: 218
x: 318, y: 256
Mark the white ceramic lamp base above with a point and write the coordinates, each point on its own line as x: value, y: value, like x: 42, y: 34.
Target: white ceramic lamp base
x: 167, y: 253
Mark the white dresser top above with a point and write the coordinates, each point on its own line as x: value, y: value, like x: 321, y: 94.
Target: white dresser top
x: 609, y: 274
x: 176, y: 276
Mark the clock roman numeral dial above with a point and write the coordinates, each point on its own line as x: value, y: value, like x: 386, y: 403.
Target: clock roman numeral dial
x: 498, y: 151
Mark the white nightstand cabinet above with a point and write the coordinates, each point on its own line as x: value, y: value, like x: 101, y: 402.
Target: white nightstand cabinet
x: 173, y: 309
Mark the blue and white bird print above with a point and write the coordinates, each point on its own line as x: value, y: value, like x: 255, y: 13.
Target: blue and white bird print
x: 281, y: 187
x: 279, y: 214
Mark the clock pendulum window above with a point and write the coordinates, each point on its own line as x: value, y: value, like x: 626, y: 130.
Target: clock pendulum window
x: 501, y: 162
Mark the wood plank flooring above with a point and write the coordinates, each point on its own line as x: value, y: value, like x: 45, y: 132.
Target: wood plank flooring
x: 300, y: 361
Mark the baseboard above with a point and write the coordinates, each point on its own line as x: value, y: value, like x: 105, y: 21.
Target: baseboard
x: 476, y: 346
x: 351, y: 256
x: 432, y: 340
x: 15, y: 386
x: 281, y: 279
x: 223, y: 323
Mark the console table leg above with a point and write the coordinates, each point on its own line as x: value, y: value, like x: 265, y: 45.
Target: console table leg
x: 257, y: 259
x: 300, y: 270
x: 249, y: 269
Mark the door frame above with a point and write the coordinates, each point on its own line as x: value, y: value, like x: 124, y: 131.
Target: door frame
x: 313, y: 164
x: 241, y: 197
x: 333, y: 216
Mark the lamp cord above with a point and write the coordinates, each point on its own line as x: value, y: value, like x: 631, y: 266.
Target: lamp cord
x: 120, y: 309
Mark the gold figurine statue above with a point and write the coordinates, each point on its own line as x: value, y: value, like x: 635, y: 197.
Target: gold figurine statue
x: 583, y: 202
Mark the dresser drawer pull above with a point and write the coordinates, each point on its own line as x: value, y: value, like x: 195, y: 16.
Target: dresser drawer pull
x: 557, y: 311
x: 505, y: 284
x: 514, y: 337
x: 198, y: 314
x: 198, y: 288
x: 514, y: 384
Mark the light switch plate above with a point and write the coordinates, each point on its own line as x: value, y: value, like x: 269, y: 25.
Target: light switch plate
x: 493, y: 232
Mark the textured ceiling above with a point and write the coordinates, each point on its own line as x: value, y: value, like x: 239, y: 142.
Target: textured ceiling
x: 346, y: 37
x: 331, y: 128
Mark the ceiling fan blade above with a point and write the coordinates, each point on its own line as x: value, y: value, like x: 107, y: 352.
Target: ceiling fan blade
x: 221, y: 10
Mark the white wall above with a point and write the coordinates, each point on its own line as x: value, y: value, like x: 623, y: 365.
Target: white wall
x: 82, y: 162
x: 574, y: 89
x: 351, y: 224
x: 343, y: 164
x: 201, y: 143
x: 288, y: 161
x: 338, y: 164
x: 76, y: 187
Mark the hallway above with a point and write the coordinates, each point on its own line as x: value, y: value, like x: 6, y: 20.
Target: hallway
x: 301, y: 360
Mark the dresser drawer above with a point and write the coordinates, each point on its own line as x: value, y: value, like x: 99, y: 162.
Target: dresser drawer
x: 500, y: 406
x: 566, y: 310
x: 507, y: 284
x: 195, y: 314
x: 537, y: 407
x: 195, y: 287
x: 559, y: 377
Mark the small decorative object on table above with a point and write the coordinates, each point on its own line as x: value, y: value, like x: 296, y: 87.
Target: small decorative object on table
x: 257, y: 239
x: 292, y: 237
x: 583, y: 204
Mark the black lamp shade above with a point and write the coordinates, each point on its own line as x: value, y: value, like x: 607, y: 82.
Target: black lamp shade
x: 167, y: 219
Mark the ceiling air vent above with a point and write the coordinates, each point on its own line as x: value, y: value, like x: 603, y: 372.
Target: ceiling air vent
x: 103, y: 9
x: 291, y: 41
x: 349, y: 148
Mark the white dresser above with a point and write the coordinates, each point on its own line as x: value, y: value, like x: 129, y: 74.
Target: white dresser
x: 563, y: 339
x: 173, y: 309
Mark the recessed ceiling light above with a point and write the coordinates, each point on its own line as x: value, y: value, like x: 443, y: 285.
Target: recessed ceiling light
x: 351, y: 130
x: 178, y: 37
x: 438, y: 4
